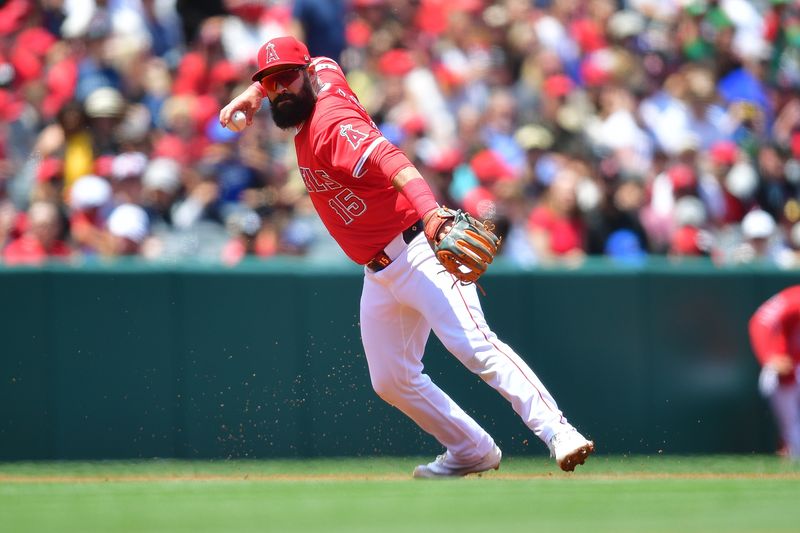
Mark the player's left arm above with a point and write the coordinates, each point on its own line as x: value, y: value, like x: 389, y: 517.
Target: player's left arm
x: 410, y: 183
x: 463, y: 245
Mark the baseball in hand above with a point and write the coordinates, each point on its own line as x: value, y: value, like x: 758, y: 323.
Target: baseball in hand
x: 238, y: 121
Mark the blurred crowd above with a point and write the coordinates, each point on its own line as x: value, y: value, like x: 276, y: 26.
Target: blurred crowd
x: 578, y: 127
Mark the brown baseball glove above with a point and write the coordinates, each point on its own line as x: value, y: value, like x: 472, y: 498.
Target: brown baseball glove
x: 464, y: 246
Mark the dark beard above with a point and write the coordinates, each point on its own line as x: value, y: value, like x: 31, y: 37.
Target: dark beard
x: 297, y: 107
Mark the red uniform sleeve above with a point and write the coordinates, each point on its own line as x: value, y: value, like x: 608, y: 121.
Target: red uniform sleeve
x: 389, y: 158
x: 349, y: 140
x: 767, y: 326
x: 351, y: 145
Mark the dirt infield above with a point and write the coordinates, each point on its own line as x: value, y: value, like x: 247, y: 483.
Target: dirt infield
x: 32, y: 479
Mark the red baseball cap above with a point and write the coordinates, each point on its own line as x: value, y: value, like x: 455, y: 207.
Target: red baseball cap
x: 557, y: 85
x: 49, y: 169
x: 682, y: 176
x: 38, y: 40
x: 794, y: 144
x: 489, y: 167
x: 280, y: 53
x: 396, y: 62
x: 724, y: 152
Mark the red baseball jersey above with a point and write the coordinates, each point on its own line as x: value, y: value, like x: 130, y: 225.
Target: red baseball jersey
x: 775, y: 327
x: 347, y: 167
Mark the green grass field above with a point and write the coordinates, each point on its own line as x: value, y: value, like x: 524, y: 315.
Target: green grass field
x: 608, y: 494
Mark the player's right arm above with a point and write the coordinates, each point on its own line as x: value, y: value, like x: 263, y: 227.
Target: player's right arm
x: 249, y: 101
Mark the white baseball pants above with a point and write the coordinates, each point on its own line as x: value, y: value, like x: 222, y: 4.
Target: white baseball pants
x: 785, y: 402
x: 399, y: 306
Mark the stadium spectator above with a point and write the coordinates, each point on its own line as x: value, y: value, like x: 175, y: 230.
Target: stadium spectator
x: 648, y: 105
x: 251, y: 23
x: 49, y: 184
x: 201, y: 202
x: 321, y: 26
x: 126, y: 177
x: 690, y: 237
x: 760, y: 240
x: 68, y: 138
x: 105, y: 108
x: 128, y: 227
x: 40, y: 241
x: 249, y: 237
x: 618, y: 209
x: 721, y: 206
x: 555, y: 224
x: 161, y: 184
x: 90, y: 199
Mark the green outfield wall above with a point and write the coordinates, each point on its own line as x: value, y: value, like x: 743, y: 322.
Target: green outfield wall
x: 265, y: 360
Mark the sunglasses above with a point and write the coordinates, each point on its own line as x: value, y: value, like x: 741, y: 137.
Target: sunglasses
x: 284, y: 78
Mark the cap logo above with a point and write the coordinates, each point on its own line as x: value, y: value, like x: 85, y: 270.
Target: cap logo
x: 271, y: 54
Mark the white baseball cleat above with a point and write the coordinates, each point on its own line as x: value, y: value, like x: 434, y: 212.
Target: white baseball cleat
x: 446, y: 466
x: 570, y: 449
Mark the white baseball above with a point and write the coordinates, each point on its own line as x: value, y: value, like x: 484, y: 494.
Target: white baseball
x: 238, y: 121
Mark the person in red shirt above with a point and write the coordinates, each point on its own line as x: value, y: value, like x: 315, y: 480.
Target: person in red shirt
x: 775, y: 337
x: 555, y: 227
x: 40, y: 241
x: 252, y: 237
x: 380, y: 210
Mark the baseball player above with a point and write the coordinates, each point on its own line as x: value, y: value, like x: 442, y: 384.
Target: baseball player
x: 382, y: 213
x: 775, y: 336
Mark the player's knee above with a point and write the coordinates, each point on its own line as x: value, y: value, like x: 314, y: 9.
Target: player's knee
x: 390, y: 388
x: 385, y: 387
